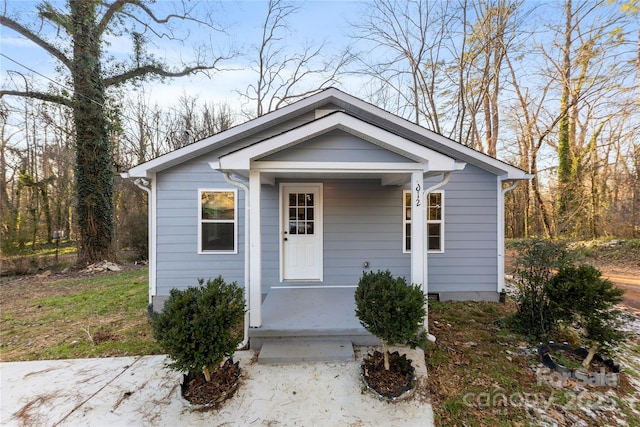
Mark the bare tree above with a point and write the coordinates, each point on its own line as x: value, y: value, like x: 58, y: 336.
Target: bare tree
x: 150, y: 131
x: 8, y: 205
x: 405, y: 42
x: 593, y: 121
x: 490, y: 38
x: 284, y: 76
x: 444, y: 61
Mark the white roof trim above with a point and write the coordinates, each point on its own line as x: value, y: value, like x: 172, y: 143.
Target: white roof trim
x: 335, y: 167
x: 340, y: 100
x: 244, y: 159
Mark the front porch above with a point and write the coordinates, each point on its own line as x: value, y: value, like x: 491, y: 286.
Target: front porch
x: 318, y: 313
x: 296, y: 163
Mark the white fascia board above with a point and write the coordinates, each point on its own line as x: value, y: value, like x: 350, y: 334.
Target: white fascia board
x: 242, y: 159
x: 337, y: 167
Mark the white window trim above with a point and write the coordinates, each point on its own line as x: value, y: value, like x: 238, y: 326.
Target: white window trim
x: 441, y: 222
x: 234, y: 221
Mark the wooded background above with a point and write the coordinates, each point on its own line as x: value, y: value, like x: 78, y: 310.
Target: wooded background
x: 556, y: 94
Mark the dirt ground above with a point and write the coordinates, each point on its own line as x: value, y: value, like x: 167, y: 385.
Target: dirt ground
x: 631, y: 290
x: 627, y: 279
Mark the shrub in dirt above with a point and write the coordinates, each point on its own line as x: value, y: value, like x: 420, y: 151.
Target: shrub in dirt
x: 391, y: 310
x: 579, y: 297
x: 533, y: 268
x: 200, y: 327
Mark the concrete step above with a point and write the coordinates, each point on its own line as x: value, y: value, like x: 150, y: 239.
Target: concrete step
x: 257, y: 337
x: 297, y: 351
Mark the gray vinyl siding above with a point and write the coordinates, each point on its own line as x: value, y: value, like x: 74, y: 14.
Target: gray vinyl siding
x: 469, y: 262
x: 178, y: 263
x: 270, y: 214
x: 336, y: 146
x: 362, y: 222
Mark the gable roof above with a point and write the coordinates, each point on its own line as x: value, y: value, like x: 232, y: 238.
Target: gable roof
x: 241, y: 159
x: 352, y: 106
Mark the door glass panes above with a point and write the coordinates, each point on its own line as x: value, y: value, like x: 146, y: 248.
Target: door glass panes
x: 301, y: 213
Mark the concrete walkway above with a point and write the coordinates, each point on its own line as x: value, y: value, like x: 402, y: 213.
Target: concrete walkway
x: 142, y: 391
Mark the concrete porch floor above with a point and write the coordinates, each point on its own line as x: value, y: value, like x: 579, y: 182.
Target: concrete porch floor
x: 308, y: 313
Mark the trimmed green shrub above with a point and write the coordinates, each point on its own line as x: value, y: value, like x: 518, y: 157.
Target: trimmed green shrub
x: 579, y: 297
x: 391, y: 310
x: 200, y: 327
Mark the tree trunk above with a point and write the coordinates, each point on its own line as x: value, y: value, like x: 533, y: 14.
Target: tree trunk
x: 94, y: 157
x: 207, y: 374
x: 564, y: 132
x: 587, y: 360
x: 385, y: 355
x: 538, y: 196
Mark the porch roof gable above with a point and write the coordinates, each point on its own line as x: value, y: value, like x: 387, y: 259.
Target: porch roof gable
x: 422, y: 158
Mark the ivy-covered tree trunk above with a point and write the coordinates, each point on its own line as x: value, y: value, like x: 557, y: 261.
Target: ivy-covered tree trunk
x: 94, y: 155
x: 564, y: 143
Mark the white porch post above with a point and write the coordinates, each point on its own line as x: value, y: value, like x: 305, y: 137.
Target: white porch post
x: 418, y: 231
x: 255, y: 252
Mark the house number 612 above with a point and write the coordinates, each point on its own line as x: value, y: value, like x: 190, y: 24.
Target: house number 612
x: 418, y: 194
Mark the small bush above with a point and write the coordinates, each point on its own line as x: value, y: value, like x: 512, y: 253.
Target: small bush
x: 200, y: 327
x: 534, y: 267
x: 579, y: 297
x: 391, y: 309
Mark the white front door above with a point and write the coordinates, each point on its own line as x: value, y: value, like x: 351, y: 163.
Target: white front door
x: 302, y: 232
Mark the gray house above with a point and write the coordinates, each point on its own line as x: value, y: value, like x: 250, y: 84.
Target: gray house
x: 296, y: 204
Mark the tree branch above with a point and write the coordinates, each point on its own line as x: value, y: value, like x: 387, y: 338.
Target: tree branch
x: 39, y: 95
x: 112, y: 9
x: 156, y: 70
x: 185, y: 17
x: 24, y: 31
x: 48, y: 12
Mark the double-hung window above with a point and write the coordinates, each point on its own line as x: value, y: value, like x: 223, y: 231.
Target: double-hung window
x: 218, y: 220
x: 435, y: 222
